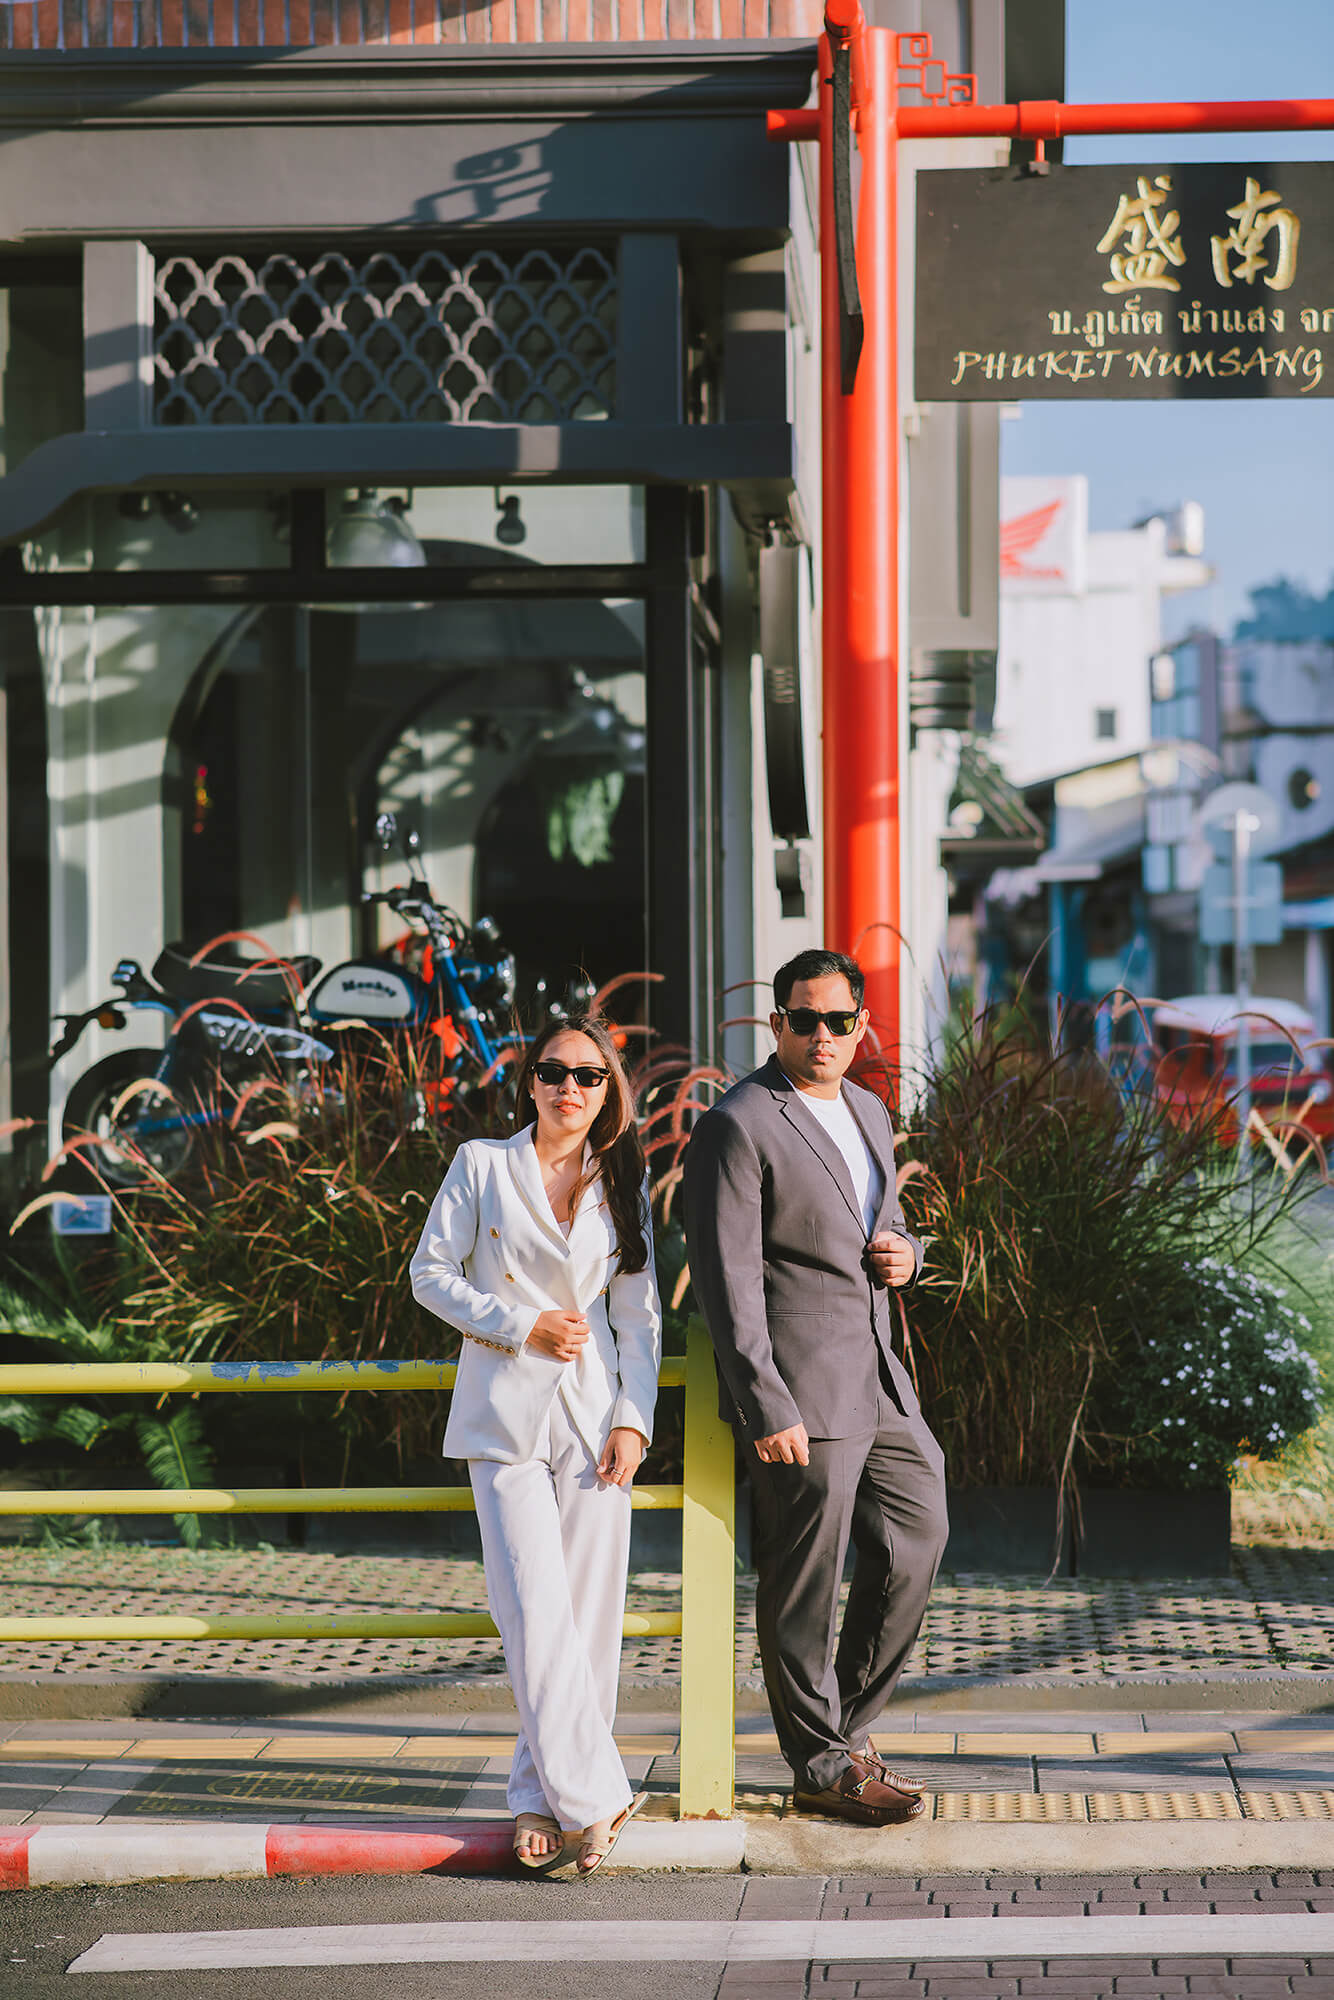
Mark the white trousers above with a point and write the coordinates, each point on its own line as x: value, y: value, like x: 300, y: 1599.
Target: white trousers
x: 556, y: 1545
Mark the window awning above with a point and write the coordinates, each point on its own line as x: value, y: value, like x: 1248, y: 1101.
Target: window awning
x: 1091, y: 840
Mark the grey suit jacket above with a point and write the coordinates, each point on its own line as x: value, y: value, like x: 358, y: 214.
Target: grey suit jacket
x: 777, y: 1244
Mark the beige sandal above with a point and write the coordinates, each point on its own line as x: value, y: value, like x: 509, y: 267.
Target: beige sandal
x: 592, y: 1851
x: 526, y: 1824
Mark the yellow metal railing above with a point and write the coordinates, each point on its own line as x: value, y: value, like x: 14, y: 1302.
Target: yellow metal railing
x: 706, y: 1623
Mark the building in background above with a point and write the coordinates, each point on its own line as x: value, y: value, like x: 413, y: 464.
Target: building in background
x: 1181, y: 768
x: 523, y: 302
x: 1081, y: 622
x: 1081, y: 616
x: 1278, y: 729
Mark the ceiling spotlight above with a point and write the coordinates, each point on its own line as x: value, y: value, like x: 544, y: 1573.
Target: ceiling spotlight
x: 179, y: 512
x: 511, y: 528
x: 371, y: 533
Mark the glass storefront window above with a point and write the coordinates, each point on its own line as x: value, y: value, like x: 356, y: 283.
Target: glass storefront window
x: 509, y: 736
x: 217, y: 767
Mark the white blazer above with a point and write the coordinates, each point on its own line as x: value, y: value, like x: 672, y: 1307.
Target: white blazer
x: 491, y: 1258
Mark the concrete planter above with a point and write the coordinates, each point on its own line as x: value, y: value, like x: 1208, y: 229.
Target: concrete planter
x: 1009, y: 1528
x: 1139, y: 1532
x: 1126, y: 1532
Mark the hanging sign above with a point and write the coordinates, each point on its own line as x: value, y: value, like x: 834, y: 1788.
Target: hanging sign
x: 1115, y: 282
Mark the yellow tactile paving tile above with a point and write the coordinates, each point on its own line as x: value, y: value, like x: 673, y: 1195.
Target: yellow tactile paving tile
x: 89, y: 1748
x: 174, y: 1749
x: 1172, y: 1742
x: 1301, y: 1742
x: 1107, y: 1806
x: 923, y: 1743
x: 308, y: 1748
x: 1042, y: 1807
x: 1042, y: 1744
x: 888, y: 1743
x: 1288, y: 1805
x: 466, y: 1743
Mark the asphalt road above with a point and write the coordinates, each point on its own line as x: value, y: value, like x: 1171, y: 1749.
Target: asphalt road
x: 1241, y: 1936
x: 43, y: 1930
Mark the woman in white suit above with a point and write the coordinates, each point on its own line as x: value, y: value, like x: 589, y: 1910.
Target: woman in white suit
x: 539, y: 1249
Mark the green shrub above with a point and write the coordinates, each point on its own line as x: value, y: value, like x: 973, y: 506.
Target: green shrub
x: 1232, y: 1378
x: 1074, y: 1234
x: 172, y: 1447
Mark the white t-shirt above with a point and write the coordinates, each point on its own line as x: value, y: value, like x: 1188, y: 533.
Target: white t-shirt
x: 868, y: 1178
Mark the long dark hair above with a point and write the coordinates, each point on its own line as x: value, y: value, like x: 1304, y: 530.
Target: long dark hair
x: 613, y: 1137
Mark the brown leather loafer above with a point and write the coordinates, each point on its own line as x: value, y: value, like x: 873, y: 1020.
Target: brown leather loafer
x: 880, y: 1769
x: 859, y: 1794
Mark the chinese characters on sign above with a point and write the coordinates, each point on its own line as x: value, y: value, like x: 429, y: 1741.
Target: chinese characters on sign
x: 1254, y: 216
x: 1149, y: 241
x: 1174, y: 281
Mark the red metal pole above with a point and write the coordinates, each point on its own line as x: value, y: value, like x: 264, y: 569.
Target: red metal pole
x: 833, y: 449
x: 1046, y: 118
x: 866, y: 779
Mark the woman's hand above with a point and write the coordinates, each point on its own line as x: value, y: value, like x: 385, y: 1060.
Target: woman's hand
x: 559, y: 1334
x: 621, y: 1456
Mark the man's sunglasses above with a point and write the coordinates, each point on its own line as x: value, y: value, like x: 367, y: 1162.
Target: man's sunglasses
x: 584, y: 1074
x: 805, y: 1020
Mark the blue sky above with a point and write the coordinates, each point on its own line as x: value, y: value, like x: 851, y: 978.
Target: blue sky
x: 1264, y: 470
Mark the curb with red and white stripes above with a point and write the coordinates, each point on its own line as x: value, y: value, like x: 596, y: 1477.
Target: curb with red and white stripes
x: 228, y: 1850
x: 222, y: 1850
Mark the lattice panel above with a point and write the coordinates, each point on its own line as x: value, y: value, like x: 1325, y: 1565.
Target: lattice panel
x: 525, y: 337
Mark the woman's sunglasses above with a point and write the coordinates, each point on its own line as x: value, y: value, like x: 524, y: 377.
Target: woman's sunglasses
x: 584, y: 1074
x: 805, y: 1021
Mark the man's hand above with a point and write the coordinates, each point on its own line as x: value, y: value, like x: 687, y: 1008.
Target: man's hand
x: 892, y: 1258
x: 789, y: 1447
x: 559, y: 1334
x: 621, y: 1456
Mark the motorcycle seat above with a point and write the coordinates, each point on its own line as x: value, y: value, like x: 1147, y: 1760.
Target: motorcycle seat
x: 256, y: 983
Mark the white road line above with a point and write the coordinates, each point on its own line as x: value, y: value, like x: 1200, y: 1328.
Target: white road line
x: 718, y: 1943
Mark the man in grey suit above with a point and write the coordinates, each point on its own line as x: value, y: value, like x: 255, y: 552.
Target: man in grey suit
x: 795, y: 1236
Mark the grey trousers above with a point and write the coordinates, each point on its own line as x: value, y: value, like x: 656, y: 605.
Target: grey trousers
x: 884, y: 1492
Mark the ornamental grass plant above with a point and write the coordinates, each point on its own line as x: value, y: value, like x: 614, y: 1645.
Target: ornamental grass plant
x: 1100, y: 1297
x: 288, y: 1238
x: 1100, y: 1302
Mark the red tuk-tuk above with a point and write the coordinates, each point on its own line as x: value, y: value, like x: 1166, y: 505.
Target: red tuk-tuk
x: 1195, y: 1046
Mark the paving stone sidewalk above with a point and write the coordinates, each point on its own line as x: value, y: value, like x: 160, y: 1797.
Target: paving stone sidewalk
x: 1274, y: 1613
x: 1099, y: 1769
x: 943, y: 1973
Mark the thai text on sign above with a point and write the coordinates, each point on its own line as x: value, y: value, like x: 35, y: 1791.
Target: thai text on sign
x: 1186, y: 281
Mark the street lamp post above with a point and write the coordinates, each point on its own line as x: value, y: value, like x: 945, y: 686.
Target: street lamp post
x: 1243, y: 826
